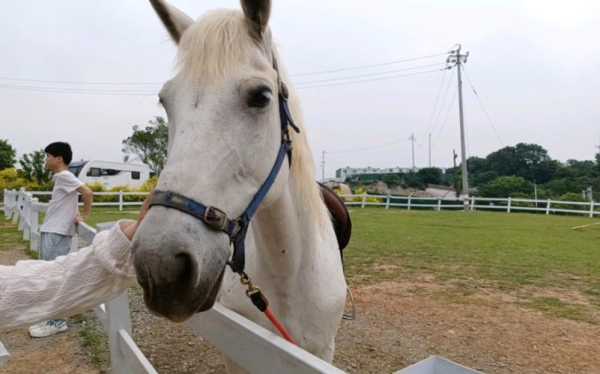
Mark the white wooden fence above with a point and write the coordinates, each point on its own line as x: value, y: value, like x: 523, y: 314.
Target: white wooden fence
x: 249, y: 345
x: 508, y: 205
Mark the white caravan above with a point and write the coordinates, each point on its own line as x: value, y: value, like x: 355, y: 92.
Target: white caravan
x: 111, y: 174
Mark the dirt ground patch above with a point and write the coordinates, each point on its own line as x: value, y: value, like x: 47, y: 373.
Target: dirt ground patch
x: 400, y: 323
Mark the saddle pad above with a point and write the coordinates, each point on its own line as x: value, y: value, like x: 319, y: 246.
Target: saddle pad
x: 340, y: 217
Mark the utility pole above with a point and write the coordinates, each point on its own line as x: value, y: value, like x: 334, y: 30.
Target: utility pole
x: 323, y: 167
x: 459, y: 59
x: 454, y: 157
x: 430, y: 150
x: 413, y: 140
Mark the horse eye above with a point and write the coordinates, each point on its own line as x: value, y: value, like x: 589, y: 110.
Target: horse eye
x: 259, y: 97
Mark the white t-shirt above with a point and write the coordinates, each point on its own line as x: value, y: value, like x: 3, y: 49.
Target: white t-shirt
x: 62, y: 210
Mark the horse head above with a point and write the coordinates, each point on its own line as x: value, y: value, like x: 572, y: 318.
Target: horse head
x: 224, y: 135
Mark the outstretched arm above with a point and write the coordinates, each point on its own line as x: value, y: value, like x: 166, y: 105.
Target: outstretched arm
x: 32, y: 291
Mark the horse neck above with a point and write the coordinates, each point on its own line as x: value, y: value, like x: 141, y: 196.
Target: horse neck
x: 286, y: 236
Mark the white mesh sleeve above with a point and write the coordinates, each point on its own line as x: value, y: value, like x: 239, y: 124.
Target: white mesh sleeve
x: 33, y: 290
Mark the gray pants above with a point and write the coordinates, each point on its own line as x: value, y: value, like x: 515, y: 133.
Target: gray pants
x: 54, y: 245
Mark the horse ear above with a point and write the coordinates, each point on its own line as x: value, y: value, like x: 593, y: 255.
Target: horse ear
x: 175, y: 21
x: 257, y: 13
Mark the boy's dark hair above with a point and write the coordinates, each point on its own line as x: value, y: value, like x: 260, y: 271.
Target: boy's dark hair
x: 61, y: 149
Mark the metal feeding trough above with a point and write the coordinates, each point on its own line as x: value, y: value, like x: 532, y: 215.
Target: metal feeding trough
x: 437, y: 365
x: 4, y: 355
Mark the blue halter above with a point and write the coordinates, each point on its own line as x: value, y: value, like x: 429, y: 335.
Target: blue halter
x: 215, y: 218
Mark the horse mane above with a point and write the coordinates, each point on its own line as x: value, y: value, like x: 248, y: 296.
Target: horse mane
x: 220, y: 42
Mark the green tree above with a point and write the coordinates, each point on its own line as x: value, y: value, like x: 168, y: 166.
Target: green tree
x: 392, y: 180
x: 529, y: 161
x: 505, y: 186
x: 34, y: 168
x: 149, y: 144
x: 430, y: 175
x: 7, y: 155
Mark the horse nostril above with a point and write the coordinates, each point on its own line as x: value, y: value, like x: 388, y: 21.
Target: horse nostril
x: 184, y: 266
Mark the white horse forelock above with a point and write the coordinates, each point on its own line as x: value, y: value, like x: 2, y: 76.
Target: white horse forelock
x: 219, y: 43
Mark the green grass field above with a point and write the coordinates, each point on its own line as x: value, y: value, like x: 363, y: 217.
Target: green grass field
x: 501, y: 251
x: 507, y: 249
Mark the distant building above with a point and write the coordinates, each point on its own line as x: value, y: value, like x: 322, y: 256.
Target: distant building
x: 342, y: 174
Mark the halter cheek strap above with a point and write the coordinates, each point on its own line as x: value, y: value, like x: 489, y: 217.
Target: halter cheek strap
x: 216, y: 219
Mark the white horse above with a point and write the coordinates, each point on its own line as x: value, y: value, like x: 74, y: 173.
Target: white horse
x: 224, y: 136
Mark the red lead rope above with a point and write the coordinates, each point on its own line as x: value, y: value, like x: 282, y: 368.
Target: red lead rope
x: 261, y: 303
x: 282, y: 331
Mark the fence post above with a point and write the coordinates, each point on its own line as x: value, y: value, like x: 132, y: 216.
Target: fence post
x: 439, y: 205
x: 25, y: 213
x: 387, y: 202
x: 409, y: 202
x: 364, y: 200
x: 5, y: 194
x: 120, y: 200
x: 117, y: 311
x: 20, y: 206
x: 592, y: 209
x: 473, y: 200
x: 508, y: 207
x: 16, y: 209
x: 548, y: 203
x: 34, y: 225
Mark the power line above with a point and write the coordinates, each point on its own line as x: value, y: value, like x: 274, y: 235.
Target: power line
x: 444, y: 121
x: 366, y: 66
x: 79, y: 82
x: 395, y: 76
x: 442, y: 105
x: 484, y: 110
x: 369, y: 74
x: 76, y: 91
x: 436, y: 102
x: 369, y: 148
x: 111, y: 83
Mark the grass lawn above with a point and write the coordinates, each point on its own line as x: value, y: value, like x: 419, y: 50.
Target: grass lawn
x: 503, y: 251
x: 506, y: 248
x: 111, y: 214
x: 10, y: 237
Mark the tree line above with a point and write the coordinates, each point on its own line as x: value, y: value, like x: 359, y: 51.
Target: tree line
x: 524, y: 170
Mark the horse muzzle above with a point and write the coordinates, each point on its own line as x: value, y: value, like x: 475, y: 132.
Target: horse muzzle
x: 180, y: 270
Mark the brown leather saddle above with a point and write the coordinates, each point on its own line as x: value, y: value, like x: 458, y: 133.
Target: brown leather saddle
x: 340, y: 217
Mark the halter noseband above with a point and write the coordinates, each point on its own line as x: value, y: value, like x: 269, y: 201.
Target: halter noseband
x: 215, y: 218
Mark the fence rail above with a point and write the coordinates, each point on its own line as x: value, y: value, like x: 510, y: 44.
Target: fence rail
x: 508, y: 205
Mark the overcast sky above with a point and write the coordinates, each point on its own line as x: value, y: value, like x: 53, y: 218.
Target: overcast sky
x: 535, y: 65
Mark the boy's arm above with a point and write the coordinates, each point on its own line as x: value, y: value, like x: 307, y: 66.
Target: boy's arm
x: 88, y: 197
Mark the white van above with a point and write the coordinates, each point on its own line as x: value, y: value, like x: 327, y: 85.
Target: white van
x: 111, y: 174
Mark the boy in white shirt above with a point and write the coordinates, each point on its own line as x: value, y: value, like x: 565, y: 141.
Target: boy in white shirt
x: 61, y: 217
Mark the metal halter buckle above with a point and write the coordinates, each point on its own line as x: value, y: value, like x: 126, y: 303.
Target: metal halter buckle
x: 215, y: 218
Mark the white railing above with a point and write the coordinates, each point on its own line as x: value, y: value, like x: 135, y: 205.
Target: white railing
x: 249, y: 345
x: 508, y: 205
x: 120, y: 198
